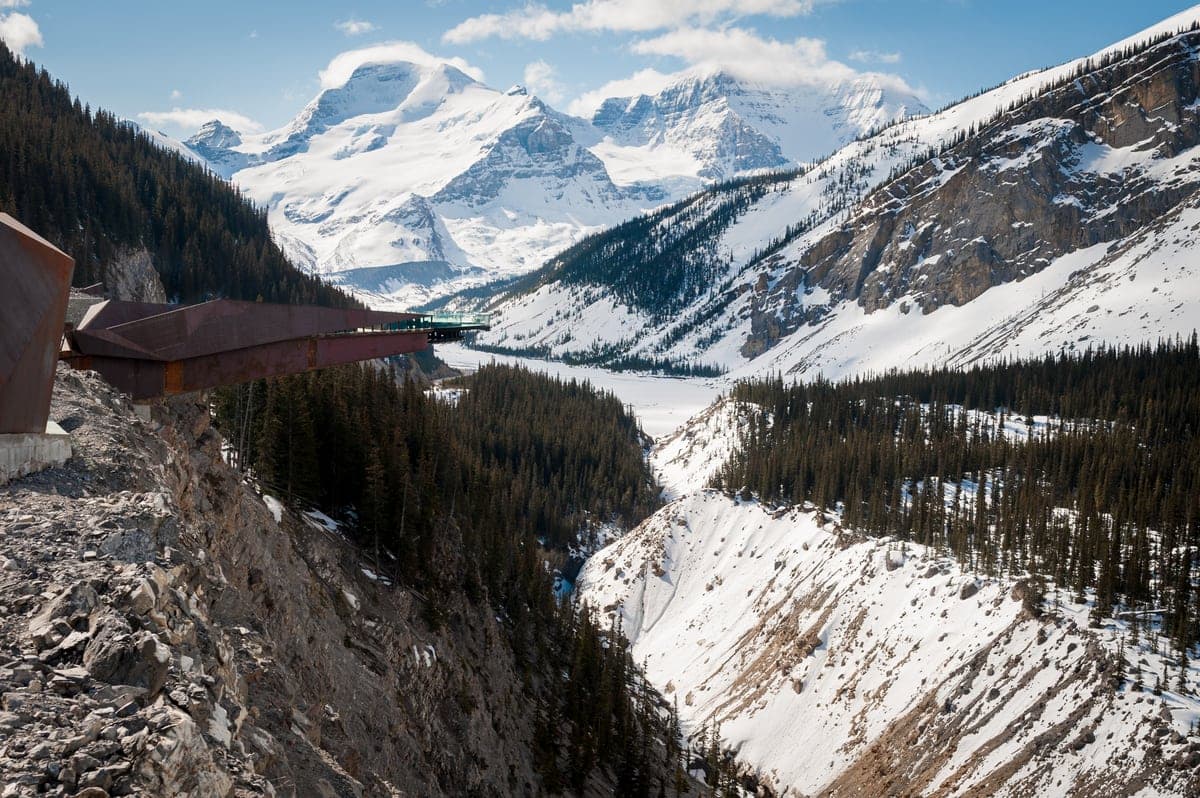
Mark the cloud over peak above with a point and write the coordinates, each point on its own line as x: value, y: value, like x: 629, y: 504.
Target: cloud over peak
x: 542, y: 79
x: 344, y: 64
x: 540, y: 23
x: 190, y: 119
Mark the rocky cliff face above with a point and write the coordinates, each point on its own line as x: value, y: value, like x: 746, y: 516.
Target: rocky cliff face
x: 131, y: 277
x: 1092, y: 161
x: 166, y: 632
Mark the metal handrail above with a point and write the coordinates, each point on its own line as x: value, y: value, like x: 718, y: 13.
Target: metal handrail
x: 446, y: 321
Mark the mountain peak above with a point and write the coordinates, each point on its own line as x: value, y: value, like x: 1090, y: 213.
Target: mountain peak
x: 379, y: 87
x: 400, y: 71
x: 719, y: 123
x: 215, y: 134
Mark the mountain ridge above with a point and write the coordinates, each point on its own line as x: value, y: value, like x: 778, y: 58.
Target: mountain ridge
x: 494, y: 182
x: 801, y: 278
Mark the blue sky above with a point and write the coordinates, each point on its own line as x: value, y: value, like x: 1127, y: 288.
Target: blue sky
x: 171, y: 64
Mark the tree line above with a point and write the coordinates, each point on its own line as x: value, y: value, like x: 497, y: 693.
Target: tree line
x: 469, y: 496
x: 97, y: 186
x: 1103, y: 498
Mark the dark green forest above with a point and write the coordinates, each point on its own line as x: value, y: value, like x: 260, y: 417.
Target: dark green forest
x: 455, y: 496
x: 656, y: 266
x: 1104, y: 497
x: 97, y: 186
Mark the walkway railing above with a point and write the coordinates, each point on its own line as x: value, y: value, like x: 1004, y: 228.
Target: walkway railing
x: 446, y: 322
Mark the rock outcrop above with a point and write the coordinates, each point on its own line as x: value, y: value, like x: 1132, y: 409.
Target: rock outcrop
x: 162, y: 633
x: 1092, y: 161
x: 131, y: 277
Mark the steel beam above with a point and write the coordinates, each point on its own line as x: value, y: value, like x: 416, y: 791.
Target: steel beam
x: 151, y: 379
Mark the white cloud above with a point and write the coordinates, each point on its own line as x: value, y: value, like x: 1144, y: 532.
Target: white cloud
x: 875, y: 57
x: 176, y: 94
x: 646, y: 81
x: 542, y: 79
x: 355, y: 27
x: 540, y: 23
x: 738, y: 52
x: 13, y: 3
x: 343, y: 65
x: 189, y: 119
x: 748, y: 56
x: 19, y: 31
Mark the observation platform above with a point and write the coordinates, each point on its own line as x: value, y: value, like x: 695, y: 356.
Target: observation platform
x: 446, y: 326
x: 151, y: 351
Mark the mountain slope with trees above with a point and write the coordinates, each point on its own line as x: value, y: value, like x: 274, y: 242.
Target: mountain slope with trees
x: 1082, y: 469
x: 98, y: 187
x: 1054, y: 210
x: 458, y: 500
x: 979, y: 581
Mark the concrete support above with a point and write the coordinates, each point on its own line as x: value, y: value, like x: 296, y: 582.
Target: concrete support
x: 27, y: 452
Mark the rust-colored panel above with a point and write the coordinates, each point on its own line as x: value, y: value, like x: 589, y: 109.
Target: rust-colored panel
x: 289, y: 357
x: 173, y: 378
x: 141, y: 379
x: 222, y: 325
x: 36, y: 280
x: 150, y: 350
x: 106, y: 343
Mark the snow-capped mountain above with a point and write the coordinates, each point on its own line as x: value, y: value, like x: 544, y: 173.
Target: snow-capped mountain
x: 709, y: 124
x: 409, y: 175
x: 217, y: 144
x: 411, y: 179
x: 1054, y: 210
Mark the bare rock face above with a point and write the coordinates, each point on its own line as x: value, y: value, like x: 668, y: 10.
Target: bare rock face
x: 1085, y: 163
x: 131, y: 277
x: 162, y: 634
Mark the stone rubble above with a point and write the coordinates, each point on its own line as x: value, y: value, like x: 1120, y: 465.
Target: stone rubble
x: 162, y: 635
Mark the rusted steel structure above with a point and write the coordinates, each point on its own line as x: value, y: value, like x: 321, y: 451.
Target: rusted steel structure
x: 150, y: 350
x: 35, y: 280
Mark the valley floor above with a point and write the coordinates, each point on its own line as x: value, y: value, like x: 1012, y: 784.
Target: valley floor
x: 662, y: 404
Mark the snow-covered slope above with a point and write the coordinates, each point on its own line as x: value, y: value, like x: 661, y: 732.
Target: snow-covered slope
x: 836, y: 664
x: 686, y: 460
x: 709, y: 124
x: 1053, y: 211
